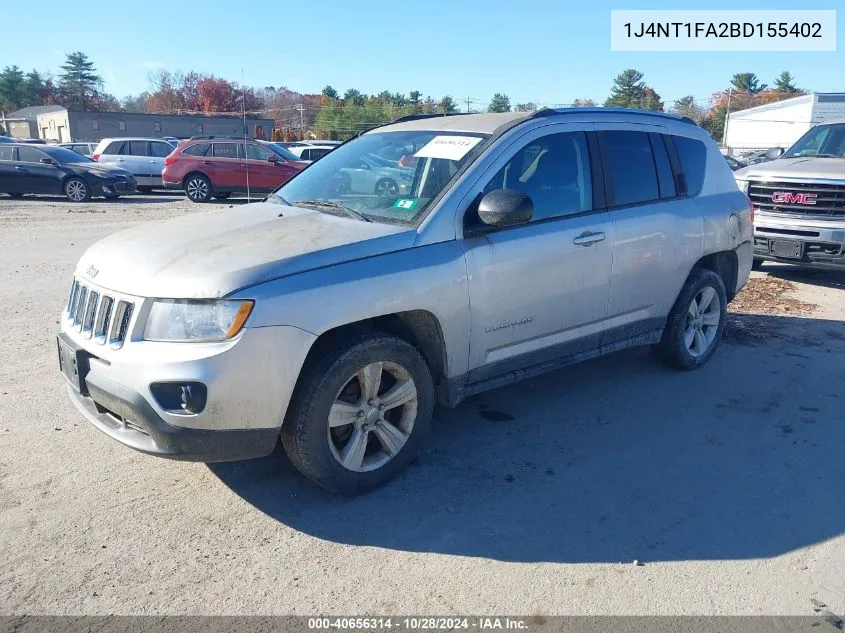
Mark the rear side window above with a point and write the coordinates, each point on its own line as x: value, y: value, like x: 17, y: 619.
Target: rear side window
x: 629, y: 166
x: 160, y: 150
x: 225, y: 150
x: 6, y: 151
x: 196, y: 150
x: 114, y: 147
x: 693, y: 157
x: 137, y: 148
x: 665, y: 177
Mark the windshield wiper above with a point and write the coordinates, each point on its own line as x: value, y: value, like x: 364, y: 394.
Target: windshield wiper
x: 802, y: 155
x: 328, y: 204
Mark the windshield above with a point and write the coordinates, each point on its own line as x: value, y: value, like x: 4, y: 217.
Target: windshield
x: 64, y: 155
x: 822, y: 140
x: 383, y: 176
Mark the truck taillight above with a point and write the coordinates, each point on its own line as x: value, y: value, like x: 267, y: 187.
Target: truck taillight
x: 95, y: 157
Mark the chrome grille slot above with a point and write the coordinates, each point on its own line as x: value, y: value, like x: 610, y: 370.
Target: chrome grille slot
x: 71, y: 300
x: 81, y: 302
x: 120, y: 323
x: 90, y: 310
x: 104, y: 314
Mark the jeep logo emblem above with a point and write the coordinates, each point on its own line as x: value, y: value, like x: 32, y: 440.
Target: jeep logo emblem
x: 91, y: 272
x: 786, y: 197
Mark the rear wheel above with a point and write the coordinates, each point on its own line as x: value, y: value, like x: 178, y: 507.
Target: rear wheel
x: 198, y: 188
x: 696, y: 322
x: 360, y: 413
x: 386, y: 187
x: 77, y: 190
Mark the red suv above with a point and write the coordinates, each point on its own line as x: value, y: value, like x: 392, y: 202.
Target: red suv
x: 218, y: 167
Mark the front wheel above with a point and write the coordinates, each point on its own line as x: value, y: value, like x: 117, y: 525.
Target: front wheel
x: 360, y: 413
x: 77, y: 190
x: 696, y: 322
x: 198, y: 188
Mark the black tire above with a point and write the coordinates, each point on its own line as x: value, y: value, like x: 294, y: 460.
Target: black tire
x: 112, y: 196
x: 673, y: 348
x: 77, y: 190
x: 312, y: 446
x: 223, y: 195
x: 386, y: 187
x: 198, y: 188
x: 16, y: 195
x: 144, y: 189
x: 757, y: 263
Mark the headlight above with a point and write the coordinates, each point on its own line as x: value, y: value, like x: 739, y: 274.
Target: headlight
x: 191, y: 320
x: 743, y: 186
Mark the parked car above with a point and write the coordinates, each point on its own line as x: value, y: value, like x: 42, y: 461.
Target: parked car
x: 309, y: 152
x: 324, y: 143
x: 8, y: 139
x: 733, y: 163
x: 216, y: 168
x: 752, y: 158
x: 50, y: 169
x: 527, y: 242
x: 370, y: 175
x: 144, y: 157
x: 799, y: 200
x: 86, y: 149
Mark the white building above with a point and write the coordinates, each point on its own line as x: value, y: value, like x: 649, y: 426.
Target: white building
x: 781, y: 124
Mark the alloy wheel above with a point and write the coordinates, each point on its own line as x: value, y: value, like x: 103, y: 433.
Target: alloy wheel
x: 76, y: 191
x: 702, y: 321
x: 372, y: 416
x: 197, y: 189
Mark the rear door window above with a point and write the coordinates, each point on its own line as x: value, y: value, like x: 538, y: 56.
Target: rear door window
x: 137, y: 148
x: 225, y: 150
x: 629, y: 166
x: 6, y: 151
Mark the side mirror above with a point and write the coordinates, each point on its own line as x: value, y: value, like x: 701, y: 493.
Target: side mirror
x: 775, y: 152
x: 505, y: 207
x: 46, y: 161
x: 274, y: 159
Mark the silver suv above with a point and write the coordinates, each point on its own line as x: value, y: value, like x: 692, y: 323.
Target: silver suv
x: 799, y: 201
x: 144, y: 157
x: 337, y: 318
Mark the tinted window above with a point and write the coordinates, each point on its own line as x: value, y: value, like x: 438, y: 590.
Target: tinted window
x: 305, y: 154
x: 196, y: 150
x: 225, y: 150
x: 318, y: 153
x: 6, y: 151
x: 693, y: 157
x: 256, y: 152
x: 160, y: 150
x: 30, y: 155
x: 665, y: 177
x: 114, y: 147
x: 554, y: 171
x: 629, y: 163
x: 137, y: 148
x: 64, y: 155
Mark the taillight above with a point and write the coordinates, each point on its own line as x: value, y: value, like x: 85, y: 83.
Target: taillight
x: 169, y: 160
x: 95, y: 157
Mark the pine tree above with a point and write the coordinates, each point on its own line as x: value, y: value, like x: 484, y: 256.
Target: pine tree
x: 500, y: 103
x: 79, y: 84
x: 785, y: 83
x: 628, y: 90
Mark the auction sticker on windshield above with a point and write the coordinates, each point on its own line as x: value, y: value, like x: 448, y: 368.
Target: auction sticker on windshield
x: 406, y: 204
x: 448, y: 147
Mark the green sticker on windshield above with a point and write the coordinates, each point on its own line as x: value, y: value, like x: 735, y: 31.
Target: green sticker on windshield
x: 406, y: 204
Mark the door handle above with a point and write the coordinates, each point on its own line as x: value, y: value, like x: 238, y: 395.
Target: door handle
x: 19, y: 168
x: 586, y: 239
x: 121, y: 160
x: 153, y: 160
x: 207, y: 162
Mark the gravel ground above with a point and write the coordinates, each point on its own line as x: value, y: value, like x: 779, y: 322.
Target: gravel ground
x: 725, y: 484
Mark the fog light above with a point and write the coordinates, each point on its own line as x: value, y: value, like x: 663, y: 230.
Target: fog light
x: 181, y: 398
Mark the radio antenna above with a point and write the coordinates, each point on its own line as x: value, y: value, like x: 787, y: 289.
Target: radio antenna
x: 243, y: 112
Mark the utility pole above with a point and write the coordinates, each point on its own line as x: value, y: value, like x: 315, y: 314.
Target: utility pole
x: 468, y: 100
x: 727, y: 114
x: 301, y: 109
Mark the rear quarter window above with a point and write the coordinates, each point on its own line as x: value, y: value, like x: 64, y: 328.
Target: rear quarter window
x: 692, y: 155
x: 196, y: 150
x: 114, y: 147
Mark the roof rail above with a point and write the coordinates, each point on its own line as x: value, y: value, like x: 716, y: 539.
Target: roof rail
x: 652, y: 113
x: 205, y: 137
x: 414, y: 117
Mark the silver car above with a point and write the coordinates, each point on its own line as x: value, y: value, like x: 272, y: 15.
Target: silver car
x: 799, y: 200
x: 336, y: 320
x: 80, y: 147
x: 144, y: 157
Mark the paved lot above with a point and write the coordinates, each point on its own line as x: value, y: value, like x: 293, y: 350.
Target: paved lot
x: 727, y: 483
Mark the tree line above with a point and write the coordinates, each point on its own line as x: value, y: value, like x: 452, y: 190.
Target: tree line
x: 332, y: 114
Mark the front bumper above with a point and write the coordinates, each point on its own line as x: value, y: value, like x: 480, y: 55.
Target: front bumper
x: 823, y: 241
x: 119, y: 187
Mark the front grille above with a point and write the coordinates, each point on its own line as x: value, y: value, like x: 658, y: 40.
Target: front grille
x: 829, y: 199
x: 98, y: 315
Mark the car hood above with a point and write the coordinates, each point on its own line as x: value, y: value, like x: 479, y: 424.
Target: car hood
x: 98, y: 169
x: 211, y: 254
x: 797, y: 168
